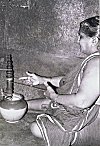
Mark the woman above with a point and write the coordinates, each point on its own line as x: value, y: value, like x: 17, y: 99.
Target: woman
x: 64, y: 114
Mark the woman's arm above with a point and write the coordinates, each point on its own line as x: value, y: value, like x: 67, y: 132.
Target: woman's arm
x: 88, y: 91
x: 34, y: 79
x: 53, y: 80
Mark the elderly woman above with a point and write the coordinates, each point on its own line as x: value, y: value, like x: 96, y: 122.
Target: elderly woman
x: 63, y: 115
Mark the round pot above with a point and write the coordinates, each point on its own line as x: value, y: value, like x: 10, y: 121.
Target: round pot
x: 13, y: 109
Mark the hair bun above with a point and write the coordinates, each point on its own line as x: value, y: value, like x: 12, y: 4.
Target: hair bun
x: 94, y: 21
x: 90, y: 26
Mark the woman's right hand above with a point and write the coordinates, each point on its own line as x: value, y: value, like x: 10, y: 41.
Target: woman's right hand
x: 32, y: 79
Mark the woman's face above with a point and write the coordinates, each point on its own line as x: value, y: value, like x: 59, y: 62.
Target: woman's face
x: 85, y: 43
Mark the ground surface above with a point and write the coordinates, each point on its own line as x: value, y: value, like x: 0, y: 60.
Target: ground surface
x: 18, y: 134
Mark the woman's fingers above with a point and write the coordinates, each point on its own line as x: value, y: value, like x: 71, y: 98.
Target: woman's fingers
x: 31, y: 79
x: 23, y: 78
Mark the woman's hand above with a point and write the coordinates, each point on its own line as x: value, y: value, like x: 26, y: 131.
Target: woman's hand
x: 32, y: 79
x: 50, y: 93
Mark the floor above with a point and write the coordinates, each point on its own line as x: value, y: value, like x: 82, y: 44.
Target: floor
x: 18, y: 134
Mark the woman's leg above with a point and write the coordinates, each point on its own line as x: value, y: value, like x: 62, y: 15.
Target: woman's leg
x: 40, y: 105
x: 35, y: 130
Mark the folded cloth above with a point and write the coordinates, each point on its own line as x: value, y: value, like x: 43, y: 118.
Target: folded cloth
x: 56, y: 127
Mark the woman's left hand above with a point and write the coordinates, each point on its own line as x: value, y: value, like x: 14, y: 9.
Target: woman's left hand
x: 50, y: 93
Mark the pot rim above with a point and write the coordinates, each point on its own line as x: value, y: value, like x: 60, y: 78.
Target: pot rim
x: 15, y: 97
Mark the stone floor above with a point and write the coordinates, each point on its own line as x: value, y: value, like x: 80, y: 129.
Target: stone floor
x: 18, y: 134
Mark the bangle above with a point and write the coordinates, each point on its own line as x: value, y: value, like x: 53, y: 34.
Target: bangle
x: 54, y: 105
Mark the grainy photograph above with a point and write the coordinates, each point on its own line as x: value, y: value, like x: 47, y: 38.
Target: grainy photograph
x: 49, y: 73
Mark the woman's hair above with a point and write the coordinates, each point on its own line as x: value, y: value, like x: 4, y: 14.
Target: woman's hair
x: 90, y: 26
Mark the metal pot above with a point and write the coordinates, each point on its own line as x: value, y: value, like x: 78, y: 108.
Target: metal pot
x: 13, y: 108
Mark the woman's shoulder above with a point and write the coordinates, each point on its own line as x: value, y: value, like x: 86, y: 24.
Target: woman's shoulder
x: 94, y: 61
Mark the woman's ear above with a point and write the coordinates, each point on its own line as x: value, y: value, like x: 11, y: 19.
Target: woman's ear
x: 94, y: 40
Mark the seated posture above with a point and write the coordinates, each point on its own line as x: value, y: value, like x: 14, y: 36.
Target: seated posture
x: 64, y: 115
